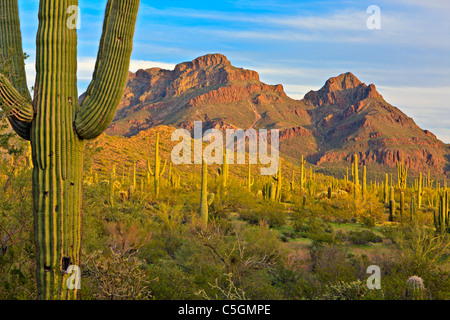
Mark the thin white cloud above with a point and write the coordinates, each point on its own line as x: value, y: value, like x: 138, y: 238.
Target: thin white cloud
x: 145, y: 64
x: 429, y: 107
x: 86, y: 66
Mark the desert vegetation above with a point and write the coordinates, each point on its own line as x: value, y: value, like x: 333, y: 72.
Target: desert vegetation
x: 174, y: 234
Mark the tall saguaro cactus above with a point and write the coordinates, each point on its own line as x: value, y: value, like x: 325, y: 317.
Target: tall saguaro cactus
x: 57, y: 124
x: 158, y: 171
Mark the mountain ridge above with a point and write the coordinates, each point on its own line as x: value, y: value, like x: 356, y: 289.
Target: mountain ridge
x: 327, y: 126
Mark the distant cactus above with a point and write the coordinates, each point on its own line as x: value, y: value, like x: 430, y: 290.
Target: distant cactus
x: 204, y: 195
x: 412, y: 209
x: 302, y: 174
x: 250, y: 181
x: 158, y: 172
x: 364, y: 183
x: 223, y: 171
x: 292, y: 183
x: 441, y: 220
x: 355, y: 169
x: 174, y: 180
x: 329, y: 193
x: 402, y: 204
x: 415, y: 288
x: 386, y: 189
x: 402, y: 173
x: 278, y: 179
x: 391, y: 205
x: 419, y: 191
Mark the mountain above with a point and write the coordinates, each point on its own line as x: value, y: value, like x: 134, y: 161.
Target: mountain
x: 328, y: 126
x: 352, y: 117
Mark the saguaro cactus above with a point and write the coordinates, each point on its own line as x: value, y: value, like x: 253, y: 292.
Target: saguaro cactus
x: 250, y: 180
x: 302, y: 174
x: 402, y: 173
x: 278, y: 179
x: 419, y: 191
x: 364, y: 185
x: 441, y: 220
x: 355, y: 170
x: 204, y: 195
x: 158, y: 171
x: 57, y: 123
x: 391, y: 204
x: 412, y: 209
x: 224, y: 171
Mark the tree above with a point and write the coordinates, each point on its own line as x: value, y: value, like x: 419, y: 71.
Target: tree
x: 57, y: 123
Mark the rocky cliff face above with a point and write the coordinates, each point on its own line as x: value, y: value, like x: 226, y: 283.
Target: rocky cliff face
x: 352, y: 117
x: 344, y: 117
x: 209, y: 89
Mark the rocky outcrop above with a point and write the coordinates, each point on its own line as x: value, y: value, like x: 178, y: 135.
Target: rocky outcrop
x: 344, y: 117
x: 342, y: 91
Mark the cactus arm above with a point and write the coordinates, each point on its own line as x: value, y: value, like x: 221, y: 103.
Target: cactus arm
x: 17, y: 108
x: 149, y: 169
x: 164, y: 168
x: 110, y: 76
x: 20, y: 111
x: 13, y: 103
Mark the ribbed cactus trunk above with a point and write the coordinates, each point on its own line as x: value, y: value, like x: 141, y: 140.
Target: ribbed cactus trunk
x: 59, y: 126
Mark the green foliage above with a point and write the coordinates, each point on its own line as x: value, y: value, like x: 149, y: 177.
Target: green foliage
x: 272, y: 213
x: 355, y: 290
x: 364, y: 237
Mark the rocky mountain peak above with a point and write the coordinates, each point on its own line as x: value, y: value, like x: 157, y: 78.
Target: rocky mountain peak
x: 342, y: 91
x: 205, y: 61
x: 344, y: 81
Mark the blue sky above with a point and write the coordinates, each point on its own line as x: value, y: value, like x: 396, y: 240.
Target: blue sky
x: 299, y: 44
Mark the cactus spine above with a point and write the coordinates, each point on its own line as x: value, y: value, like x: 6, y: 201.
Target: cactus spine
x: 158, y: 171
x: 57, y: 125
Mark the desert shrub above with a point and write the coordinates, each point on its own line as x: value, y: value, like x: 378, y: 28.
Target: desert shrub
x: 363, y: 237
x: 223, y: 289
x: 272, y: 213
x: 288, y: 282
x: 115, y: 276
x: 354, y: 290
x: 171, y: 283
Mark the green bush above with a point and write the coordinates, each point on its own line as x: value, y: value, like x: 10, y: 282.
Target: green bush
x: 363, y: 237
